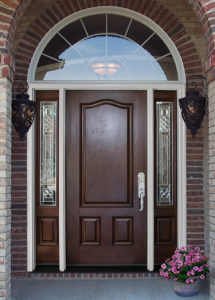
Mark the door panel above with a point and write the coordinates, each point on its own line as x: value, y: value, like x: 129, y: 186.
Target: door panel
x: 106, y: 149
x: 106, y: 130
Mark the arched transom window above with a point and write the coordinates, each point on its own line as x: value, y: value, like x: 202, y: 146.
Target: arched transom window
x: 106, y: 47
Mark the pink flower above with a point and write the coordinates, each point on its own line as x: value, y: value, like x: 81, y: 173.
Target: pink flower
x: 175, y: 279
x: 192, y: 272
x: 200, y: 269
x: 197, y: 248
x: 195, y: 268
x: 163, y: 266
x: 191, y: 280
x: 167, y: 260
x: 188, y: 273
x: 183, y: 248
x: 161, y: 273
x: 202, y: 276
x: 188, y: 281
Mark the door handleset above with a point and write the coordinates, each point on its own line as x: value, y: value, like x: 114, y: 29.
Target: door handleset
x: 141, y: 189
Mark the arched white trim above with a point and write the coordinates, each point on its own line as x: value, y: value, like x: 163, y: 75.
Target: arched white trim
x: 111, y: 10
x: 102, y: 85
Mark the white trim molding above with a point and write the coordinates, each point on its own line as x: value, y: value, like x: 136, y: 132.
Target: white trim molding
x: 31, y: 195
x: 62, y: 180
x: 83, y: 85
x: 150, y: 180
x: 181, y: 176
x: 181, y: 169
x: 107, y: 10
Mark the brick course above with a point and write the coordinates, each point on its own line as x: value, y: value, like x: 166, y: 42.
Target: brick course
x: 190, y: 56
x: 25, y: 22
x: 5, y: 173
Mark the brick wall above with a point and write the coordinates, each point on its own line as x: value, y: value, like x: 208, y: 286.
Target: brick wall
x: 6, y: 73
x: 206, y: 183
x: 211, y: 223
x: 28, y: 22
x: 183, y: 27
x: 19, y: 206
x: 195, y: 180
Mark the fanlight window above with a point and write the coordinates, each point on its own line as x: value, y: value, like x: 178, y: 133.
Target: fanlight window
x: 106, y: 47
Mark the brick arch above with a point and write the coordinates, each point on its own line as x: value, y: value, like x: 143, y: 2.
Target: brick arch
x: 156, y: 11
x: 13, y: 11
x: 23, y: 50
x: 205, y: 15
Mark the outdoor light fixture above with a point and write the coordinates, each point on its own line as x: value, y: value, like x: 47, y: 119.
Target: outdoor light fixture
x: 23, y: 111
x: 105, y: 68
x: 193, y: 106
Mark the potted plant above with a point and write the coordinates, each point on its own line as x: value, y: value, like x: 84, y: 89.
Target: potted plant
x: 188, y: 268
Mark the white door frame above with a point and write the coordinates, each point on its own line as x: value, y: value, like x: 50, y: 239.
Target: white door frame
x: 181, y: 166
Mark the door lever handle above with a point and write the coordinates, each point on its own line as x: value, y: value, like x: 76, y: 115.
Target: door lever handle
x: 141, y: 189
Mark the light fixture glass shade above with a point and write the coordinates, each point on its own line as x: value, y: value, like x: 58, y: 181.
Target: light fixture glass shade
x: 101, y: 68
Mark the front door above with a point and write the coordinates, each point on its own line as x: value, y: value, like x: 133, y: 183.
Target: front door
x: 106, y: 141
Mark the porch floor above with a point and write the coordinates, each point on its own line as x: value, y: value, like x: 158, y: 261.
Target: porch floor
x: 97, y: 289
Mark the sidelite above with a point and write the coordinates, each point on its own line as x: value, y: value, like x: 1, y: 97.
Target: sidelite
x: 48, y: 153
x: 164, y: 153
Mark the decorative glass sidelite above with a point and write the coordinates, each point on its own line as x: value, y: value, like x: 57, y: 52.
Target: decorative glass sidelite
x: 164, y: 155
x: 48, y: 112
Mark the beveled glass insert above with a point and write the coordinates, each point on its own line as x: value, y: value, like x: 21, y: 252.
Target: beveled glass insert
x: 106, y: 47
x: 164, y: 155
x: 48, y: 112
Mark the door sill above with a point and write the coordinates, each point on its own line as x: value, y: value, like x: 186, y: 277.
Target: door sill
x: 96, y: 269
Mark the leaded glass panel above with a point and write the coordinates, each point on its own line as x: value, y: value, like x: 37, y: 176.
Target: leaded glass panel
x: 48, y: 112
x: 164, y: 133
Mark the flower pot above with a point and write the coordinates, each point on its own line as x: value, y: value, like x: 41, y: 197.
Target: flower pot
x: 187, y: 290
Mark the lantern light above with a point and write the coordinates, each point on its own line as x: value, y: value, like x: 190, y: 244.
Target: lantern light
x: 193, y: 106
x: 23, y: 111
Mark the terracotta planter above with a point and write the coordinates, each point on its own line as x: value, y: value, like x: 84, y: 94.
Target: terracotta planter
x: 187, y: 290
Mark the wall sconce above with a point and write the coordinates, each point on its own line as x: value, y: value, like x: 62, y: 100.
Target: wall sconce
x: 23, y: 111
x: 193, y: 106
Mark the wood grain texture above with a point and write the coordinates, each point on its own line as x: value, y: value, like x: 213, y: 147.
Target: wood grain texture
x: 106, y: 149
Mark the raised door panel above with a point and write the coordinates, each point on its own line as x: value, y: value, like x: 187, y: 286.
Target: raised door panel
x: 122, y: 231
x: 165, y: 228
x: 106, y: 154
x: 48, y: 231
x: 90, y: 231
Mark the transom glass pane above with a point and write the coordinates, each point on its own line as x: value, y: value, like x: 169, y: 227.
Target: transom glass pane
x: 164, y: 155
x: 48, y: 112
x: 106, y: 47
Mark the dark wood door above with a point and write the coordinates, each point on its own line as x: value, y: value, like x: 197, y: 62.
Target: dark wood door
x: 106, y: 149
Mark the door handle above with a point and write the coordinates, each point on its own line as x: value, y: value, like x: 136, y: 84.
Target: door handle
x: 141, y: 189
